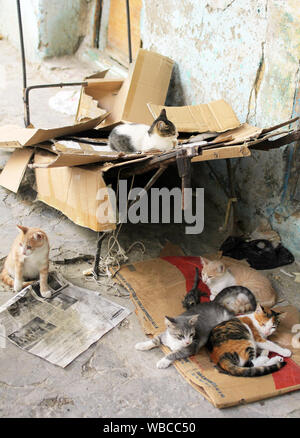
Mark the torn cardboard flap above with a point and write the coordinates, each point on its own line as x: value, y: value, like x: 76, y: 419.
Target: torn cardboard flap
x: 216, y: 116
x: 48, y: 158
x: 238, y: 135
x: 14, y: 170
x: 148, y: 80
x: 16, y: 137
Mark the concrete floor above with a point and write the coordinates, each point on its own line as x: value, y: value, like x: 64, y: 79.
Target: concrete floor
x: 111, y: 378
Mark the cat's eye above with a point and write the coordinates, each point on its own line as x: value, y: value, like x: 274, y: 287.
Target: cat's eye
x: 180, y: 336
x: 29, y: 247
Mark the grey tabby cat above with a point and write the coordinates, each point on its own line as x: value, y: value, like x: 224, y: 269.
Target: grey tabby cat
x: 237, y: 299
x: 188, y: 332
x: 134, y: 137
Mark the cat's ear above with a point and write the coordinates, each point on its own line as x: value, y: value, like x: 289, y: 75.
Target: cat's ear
x: 204, y: 261
x: 23, y: 229
x: 38, y: 236
x: 169, y: 321
x: 259, y: 309
x: 161, y: 125
x: 163, y: 113
x: 193, y: 320
x: 221, y: 268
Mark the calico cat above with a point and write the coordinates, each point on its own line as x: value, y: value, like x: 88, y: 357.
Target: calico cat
x: 28, y: 258
x: 133, y: 137
x: 188, y: 332
x: 233, y: 344
x: 217, y: 276
x: 237, y: 299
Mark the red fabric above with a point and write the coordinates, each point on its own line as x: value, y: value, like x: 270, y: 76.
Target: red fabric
x: 288, y: 375
x: 187, y: 266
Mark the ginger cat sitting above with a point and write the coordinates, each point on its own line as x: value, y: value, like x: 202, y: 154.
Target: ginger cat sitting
x: 28, y: 259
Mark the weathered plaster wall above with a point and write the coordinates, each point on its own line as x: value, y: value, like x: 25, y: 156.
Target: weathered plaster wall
x: 51, y: 27
x: 246, y: 52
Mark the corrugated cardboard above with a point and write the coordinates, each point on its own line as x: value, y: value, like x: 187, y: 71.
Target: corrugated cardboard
x: 16, y: 137
x: 14, y: 170
x: 148, y: 81
x: 59, y: 156
x: 157, y: 288
x: 216, y: 116
x: 74, y: 192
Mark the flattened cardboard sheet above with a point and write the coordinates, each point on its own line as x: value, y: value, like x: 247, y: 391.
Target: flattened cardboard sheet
x: 14, y: 136
x: 157, y: 288
x: 14, y: 170
x: 216, y: 116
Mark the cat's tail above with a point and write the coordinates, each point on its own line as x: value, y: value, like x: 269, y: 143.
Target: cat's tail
x: 230, y: 368
x: 7, y: 279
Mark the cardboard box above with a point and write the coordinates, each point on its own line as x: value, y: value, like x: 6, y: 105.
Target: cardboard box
x: 157, y: 288
x: 126, y: 100
x: 75, y: 192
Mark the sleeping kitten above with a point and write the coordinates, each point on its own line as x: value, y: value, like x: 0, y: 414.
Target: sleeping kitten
x: 28, y: 259
x: 133, y: 137
x: 217, y: 277
x: 194, y: 295
x: 237, y: 299
x: 188, y: 332
x: 233, y: 344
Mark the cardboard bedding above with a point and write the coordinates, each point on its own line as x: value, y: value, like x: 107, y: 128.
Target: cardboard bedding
x: 157, y: 288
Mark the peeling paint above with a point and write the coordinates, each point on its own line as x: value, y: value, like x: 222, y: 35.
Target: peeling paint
x: 249, y: 57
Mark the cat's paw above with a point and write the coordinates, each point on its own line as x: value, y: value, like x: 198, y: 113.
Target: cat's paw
x: 46, y: 294
x: 274, y: 360
x: 163, y: 363
x: 18, y: 285
x: 143, y: 346
x: 286, y: 352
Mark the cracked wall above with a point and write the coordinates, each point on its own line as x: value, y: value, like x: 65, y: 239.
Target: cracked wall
x: 246, y: 52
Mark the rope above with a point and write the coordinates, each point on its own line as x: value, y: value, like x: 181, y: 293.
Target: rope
x: 116, y: 255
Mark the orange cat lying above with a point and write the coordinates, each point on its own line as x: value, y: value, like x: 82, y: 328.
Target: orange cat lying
x: 217, y: 276
x: 28, y: 259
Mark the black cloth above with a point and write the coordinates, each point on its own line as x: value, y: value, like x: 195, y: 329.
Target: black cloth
x: 260, y: 253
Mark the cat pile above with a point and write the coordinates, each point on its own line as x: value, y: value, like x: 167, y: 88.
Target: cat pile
x: 236, y: 340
